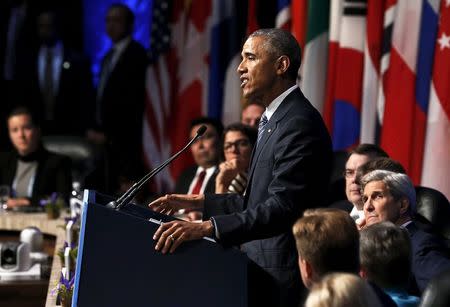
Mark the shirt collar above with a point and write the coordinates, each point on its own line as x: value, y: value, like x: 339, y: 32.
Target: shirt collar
x: 120, y: 46
x: 273, y: 106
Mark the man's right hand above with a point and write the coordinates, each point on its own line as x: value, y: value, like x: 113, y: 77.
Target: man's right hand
x: 171, y: 203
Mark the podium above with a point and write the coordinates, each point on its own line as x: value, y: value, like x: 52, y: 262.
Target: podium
x: 118, y: 265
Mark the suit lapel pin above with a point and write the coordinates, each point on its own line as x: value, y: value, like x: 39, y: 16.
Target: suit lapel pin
x: 66, y: 65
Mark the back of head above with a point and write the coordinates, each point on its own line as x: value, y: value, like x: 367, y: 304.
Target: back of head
x: 371, y: 150
x: 399, y: 185
x: 280, y: 42
x: 386, y: 164
x: 385, y: 255
x: 325, y: 248
x: 342, y: 289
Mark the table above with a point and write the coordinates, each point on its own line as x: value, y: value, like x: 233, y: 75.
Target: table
x: 18, y: 221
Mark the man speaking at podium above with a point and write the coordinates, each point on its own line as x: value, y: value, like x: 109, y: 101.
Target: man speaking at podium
x: 288, y: 171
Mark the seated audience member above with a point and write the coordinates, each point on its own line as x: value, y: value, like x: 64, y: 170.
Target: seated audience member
x: 357, y: 157
x: 437, y: 292
x: 342, y: 290
x: 251, y: 114
x: 30, y: 170
x: 238, y: 143
x: 200, y: 178
x: 385, y: 255
x: 322, y: 249
x: 390, y: 196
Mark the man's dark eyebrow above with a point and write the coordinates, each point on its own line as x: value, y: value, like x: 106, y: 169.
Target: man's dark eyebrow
x: 246, y: 54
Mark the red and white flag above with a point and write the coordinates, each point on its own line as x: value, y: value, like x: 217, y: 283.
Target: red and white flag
x: 372, y: 58
x: 397, y: 136
x: 176, y: 82
x: 436, y: 162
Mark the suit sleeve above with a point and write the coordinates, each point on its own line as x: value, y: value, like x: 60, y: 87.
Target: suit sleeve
x: 429, y: 259
x: 221, y: 204
x: 288, y: 181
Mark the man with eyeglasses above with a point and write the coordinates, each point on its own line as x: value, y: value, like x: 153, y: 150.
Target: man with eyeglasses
x: 238, y: 142
x: 357, y: 157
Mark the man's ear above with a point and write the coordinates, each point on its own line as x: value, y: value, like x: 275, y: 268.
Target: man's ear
x: 404, y: 206
x: 362, y: 273
x: 283, y: 64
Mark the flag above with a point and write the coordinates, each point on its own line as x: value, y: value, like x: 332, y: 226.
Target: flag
x: 313, y: 70
x: 398, y: 124
x: 427, y: 39
x: 371, y: 78
x: 224, y: 91
x: 390, y: 9
x: 299, y: 19
x: 252, y: 20
x: 283, y: 18
x: 336, y: 7
x: 176, y: 82
x: 349, y: 74
x: 436, y: 162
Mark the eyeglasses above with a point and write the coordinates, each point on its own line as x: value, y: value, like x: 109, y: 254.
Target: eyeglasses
x: 240, y: 144
x: 349, y: 173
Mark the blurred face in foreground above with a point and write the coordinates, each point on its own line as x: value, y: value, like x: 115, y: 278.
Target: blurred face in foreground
x: 251, y: 115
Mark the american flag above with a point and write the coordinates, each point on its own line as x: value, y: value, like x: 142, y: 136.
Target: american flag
x: 157, y: 102
x: 176, y: 82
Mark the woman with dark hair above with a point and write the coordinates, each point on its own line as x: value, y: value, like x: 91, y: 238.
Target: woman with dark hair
x: 32, y: 172
x: 238, y: 142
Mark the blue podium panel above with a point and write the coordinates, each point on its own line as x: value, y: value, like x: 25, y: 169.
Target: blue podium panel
x: 117, y: 264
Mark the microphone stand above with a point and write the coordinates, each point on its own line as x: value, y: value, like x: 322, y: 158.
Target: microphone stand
x: 131, y: 192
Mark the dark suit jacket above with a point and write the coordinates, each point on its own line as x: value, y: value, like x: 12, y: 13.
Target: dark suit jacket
x: 74, y: 100
x: 429, y: 256
x: 288, y: 172
x: 186, y: 177
x: 122, y: 102
x: 53, y: 174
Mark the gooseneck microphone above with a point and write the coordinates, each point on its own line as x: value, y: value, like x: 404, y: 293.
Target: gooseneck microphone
x: 131, y: 192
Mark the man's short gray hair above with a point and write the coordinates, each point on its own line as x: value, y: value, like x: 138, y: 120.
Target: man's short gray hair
x: 399, y: 185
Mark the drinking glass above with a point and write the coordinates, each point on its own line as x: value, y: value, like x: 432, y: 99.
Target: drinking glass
x: 4, y: 195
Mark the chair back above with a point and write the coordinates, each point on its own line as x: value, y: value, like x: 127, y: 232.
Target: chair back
x: 434, y: 207
x: 81, y: 152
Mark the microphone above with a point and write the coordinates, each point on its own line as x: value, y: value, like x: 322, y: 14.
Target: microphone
x: 131, y: 192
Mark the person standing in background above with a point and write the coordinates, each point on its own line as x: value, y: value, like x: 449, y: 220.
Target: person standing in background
x: 120, y: 94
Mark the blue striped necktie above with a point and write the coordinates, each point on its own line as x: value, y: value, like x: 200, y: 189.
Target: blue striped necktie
x: 262, y: 123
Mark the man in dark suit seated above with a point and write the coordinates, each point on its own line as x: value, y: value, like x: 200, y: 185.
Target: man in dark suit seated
x: 390, y: 196
x: 288, y: 169
x: 32, y: 172
x: 200, y: 178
